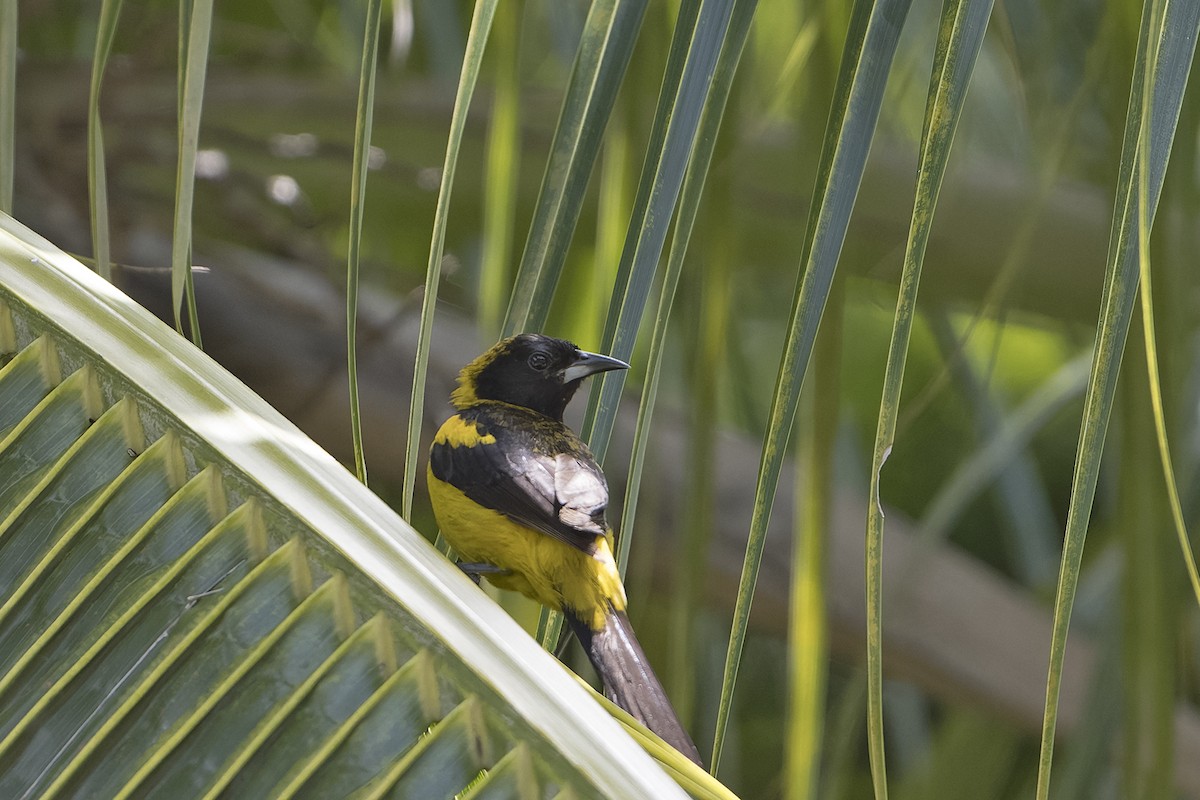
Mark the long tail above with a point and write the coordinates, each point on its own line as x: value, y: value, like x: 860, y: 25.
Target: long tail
x: 628, y: 679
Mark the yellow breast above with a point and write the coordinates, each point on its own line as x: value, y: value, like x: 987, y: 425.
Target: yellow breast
x: 542, y: 568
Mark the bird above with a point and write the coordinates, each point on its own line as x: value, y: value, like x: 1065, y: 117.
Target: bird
x: 522, y: 501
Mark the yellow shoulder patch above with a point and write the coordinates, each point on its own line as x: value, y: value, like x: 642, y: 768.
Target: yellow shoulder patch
x: 458, y: 432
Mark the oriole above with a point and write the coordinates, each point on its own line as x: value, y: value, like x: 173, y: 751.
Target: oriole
x: 521, y: 499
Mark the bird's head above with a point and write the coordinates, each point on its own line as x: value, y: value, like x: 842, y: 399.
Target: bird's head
x: 530, y: 370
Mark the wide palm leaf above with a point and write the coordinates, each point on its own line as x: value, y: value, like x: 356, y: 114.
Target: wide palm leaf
x: 197, y: 601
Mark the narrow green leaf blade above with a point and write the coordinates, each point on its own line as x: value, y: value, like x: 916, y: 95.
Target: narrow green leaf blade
x: 959, y: 40
x: 808, y: 626
x: 194, y: 36
x: 110, y: 10
x: 1149, y: 332
x: 358, y: 191
x: 600, y: 63
x: 481, y: 23
x: 1169, y: 63
x: 686, y: 86
x: 8, y: 102
x: 870, y: 45
x: 689, y: 204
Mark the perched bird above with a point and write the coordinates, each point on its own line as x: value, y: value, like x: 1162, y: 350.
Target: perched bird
x: 521, y: 499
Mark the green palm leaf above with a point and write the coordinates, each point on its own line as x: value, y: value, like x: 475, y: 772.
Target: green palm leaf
x: 1166, y: 48
x: 959, y: 39
x: 700, y: 34
x: 600, y: 63
x: 110, y: 10
x: 195, y: 31
x: 8, y: 101
x: 871, y: 43
x: 197, y: 600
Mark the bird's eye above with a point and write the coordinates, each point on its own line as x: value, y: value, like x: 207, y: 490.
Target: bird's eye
x: 539, y: 361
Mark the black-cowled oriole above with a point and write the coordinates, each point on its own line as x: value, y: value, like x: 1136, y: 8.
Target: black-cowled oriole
x: 521, y: 499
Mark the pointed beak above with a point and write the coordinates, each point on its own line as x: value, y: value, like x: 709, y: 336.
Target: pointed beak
x: 589, y: 364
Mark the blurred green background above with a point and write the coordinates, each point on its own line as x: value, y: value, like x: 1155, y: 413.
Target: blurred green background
x: 1008, y: 306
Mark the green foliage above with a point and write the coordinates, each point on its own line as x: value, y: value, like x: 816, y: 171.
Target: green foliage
x: 960, y: 37
x: 110, y: 10
x: 364, y: 120
x: 775, y: 145
x: 8, y: 101
x: 601, y: 59
x: 195, y: 31
x: 197, y: 600
x: 1166, y: 47
x: 874, y: 31
x: 485, y: 11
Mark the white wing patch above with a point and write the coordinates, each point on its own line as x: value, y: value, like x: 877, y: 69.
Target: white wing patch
x: 540, y: 477
x: 580, y: 493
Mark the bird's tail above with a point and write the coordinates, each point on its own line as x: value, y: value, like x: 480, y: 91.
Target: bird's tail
x: 628, y: 679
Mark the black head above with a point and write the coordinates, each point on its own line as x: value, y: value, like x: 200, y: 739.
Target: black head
x: 530, y: 370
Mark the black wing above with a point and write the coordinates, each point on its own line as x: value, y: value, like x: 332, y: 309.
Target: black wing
x: 563, y: 494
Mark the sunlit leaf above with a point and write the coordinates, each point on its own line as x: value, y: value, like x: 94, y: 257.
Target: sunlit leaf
x: 198, y: 601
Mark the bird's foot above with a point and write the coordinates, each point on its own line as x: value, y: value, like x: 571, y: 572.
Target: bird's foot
x: 476, y: 570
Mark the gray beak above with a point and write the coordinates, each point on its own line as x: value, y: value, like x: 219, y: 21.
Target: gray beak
x: 589, y: 364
